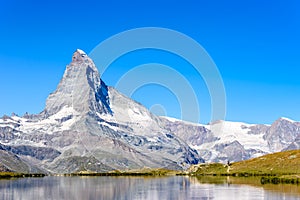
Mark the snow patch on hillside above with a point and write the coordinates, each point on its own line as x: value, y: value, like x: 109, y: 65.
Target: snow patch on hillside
x: 61, y: 121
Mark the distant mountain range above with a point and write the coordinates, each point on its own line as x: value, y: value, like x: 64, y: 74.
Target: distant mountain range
x: 88, y: 126
x: 234, y: 141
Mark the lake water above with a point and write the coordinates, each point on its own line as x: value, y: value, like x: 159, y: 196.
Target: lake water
x: 176, y: 187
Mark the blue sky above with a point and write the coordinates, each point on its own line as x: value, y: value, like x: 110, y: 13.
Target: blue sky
x: 255, y: 45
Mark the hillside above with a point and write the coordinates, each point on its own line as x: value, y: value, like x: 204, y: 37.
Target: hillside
x: 281, y: 163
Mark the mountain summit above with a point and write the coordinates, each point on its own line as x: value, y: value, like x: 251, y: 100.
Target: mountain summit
x: 89, y: 126
x: 80, y: 88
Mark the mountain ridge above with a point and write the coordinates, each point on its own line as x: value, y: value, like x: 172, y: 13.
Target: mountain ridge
x: 89, y: 126
x: 236, y: 141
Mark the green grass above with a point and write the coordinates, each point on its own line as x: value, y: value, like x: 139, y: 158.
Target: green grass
x: 277, y: 164
x: 137, y: 172
x: 211, y: 169
x: 282, y: 163
x: 10, y: 175
x: 18, y: 175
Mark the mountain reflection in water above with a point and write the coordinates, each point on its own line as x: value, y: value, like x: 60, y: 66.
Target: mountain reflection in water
x: 175, y: 187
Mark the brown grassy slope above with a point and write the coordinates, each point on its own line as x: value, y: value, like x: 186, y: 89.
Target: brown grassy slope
x: 287, y: 162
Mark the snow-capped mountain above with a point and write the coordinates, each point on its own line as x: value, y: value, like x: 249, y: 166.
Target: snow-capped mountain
x: 223, y: 140
x: 87, y: 125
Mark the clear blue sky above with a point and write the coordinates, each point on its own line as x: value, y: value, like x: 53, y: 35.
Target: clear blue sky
x: 255, y: 44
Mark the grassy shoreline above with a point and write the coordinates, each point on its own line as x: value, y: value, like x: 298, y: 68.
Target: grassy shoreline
x: 5, y: 175
x: 282, y: 167
x: 140, y: 172
x: 265, y: 178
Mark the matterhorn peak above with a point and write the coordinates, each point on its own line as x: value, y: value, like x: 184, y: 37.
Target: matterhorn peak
x: 80, y: 88
x: 80, y: 56
x: 80, y: 51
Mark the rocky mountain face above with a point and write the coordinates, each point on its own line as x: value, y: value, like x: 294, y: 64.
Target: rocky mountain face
x: 282, y: 133
x: 89, y: 126
x: 234, y: 141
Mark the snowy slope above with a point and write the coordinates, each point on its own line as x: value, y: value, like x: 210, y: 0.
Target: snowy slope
x: 225, y: 140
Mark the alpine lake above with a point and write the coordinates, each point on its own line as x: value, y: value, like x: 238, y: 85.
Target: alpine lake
x: 144, y: 187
